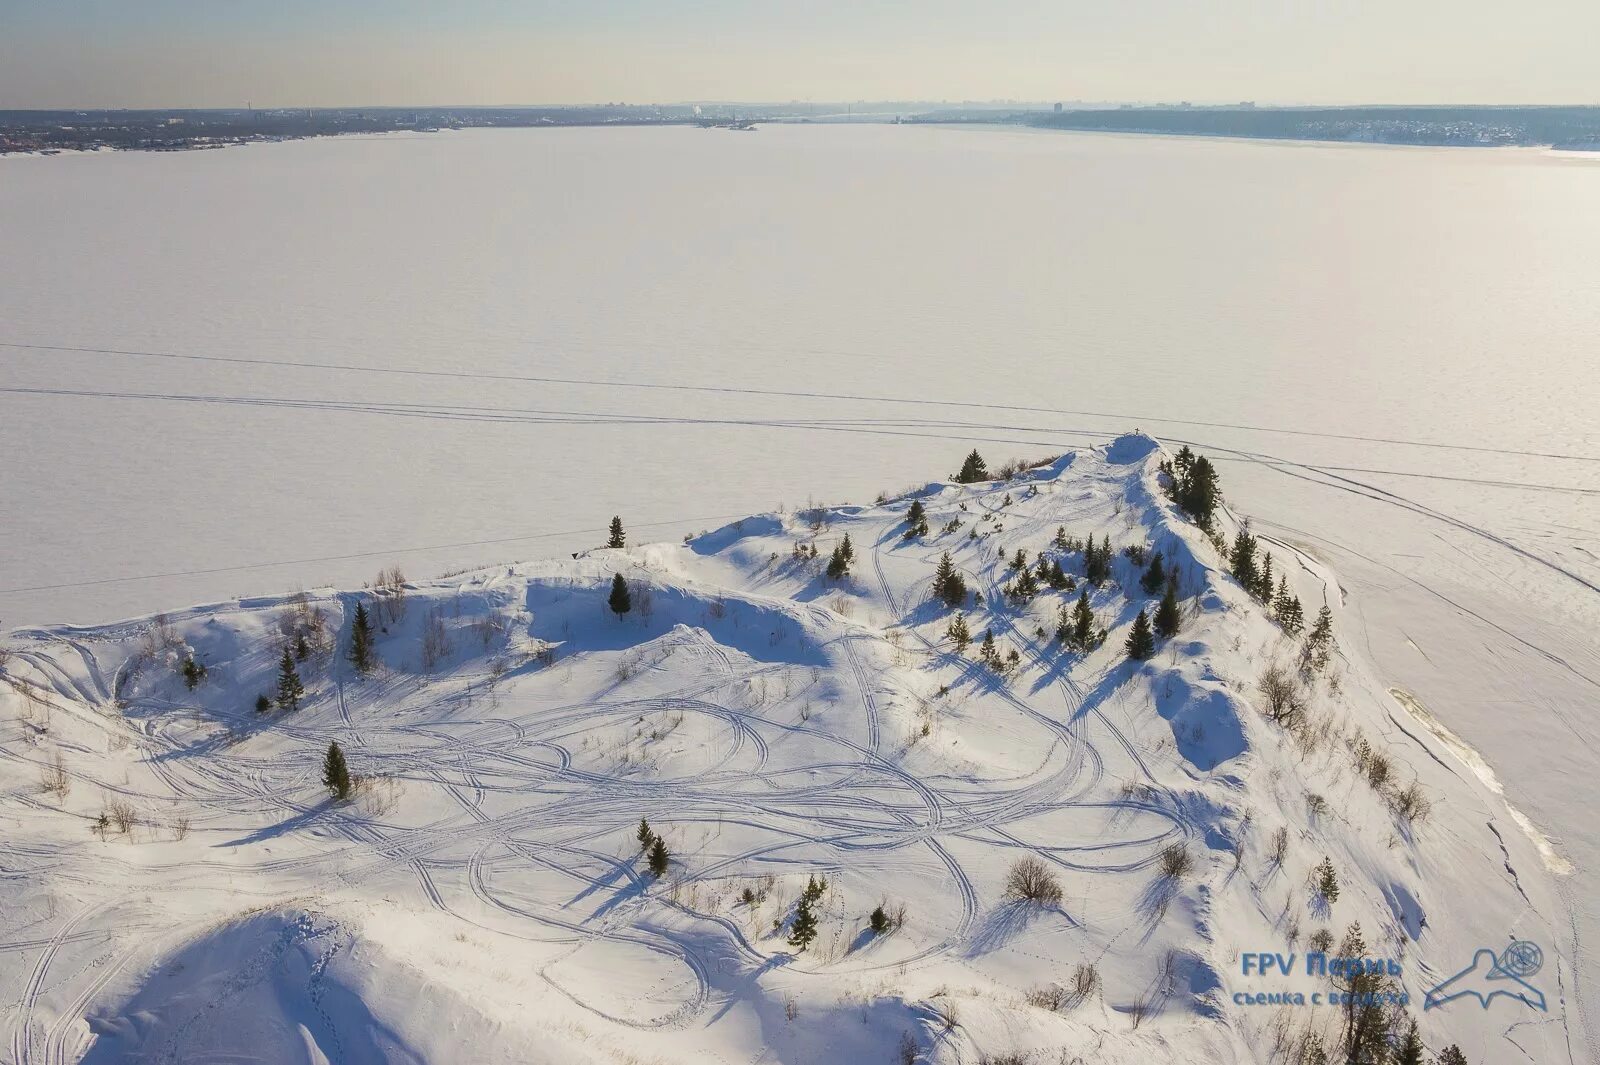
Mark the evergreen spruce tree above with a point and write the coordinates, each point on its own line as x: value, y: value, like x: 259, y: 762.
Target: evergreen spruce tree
x: 1096, y: 562
x: 659, y: 858
x: 1019, y: 560
x: 989, y: 653
x: 1061, y: 537
x: 618, y: 538
x: 847, y: 549
x: 1410, y: 1051
x: 289, y: 687
x: 1058, y: 577
x: 193, y: 673
x: 1263, y: 588
x: 645, y: 835
x: 878, y: 922
x: 1082, y: 634
x: 1155, y: 576
x: 1286, y: 609
x: 302, y: 649
x: 1242, y: 560
x: 1141, y: 644
x: 959, y: 634
x: 973, y: 469
x: 838, y: 564
x: 1327, y: 881
x: 335, y: 773
x: 804, y: 928
x: 916, y: 520
x: 1184, y: 462
x: 263, y: 704
x: 948, y: 584
x: 1451, y: 1055
x: 1198, y: 492
x: 1319, y: 642
x: 1169, y: 619
x: 362, y: 656
x: 621, y: 600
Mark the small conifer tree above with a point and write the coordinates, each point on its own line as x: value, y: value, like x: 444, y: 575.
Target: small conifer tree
x: 1410, y: 1051
x: 193, y: 673
x: 1058, y: 577
x: 1263, y: 588
x: 1079, y: 635
x: 838, y: 564
x: 645, y: 835
x: 1319, y: 642
x: 1327, y: 881
x: 973, y: 469
x: 1242, y: 560
x: 959, y: 634
x: 335, y: 773
x: 1155, y: 576
x: 289, y: 687
x: 1140, y: 644
x: 916, y: 520
x: 804, y: 928
x: 948, y: 584
x: 618, y: 538
x: 659, y: 858
x: 878, y: 922
x: 1169, y: 619
x: 620, y: 600
x: 362, y: 655
x: 302, y: 647
x: 989, y: 653
x: 263, y: 704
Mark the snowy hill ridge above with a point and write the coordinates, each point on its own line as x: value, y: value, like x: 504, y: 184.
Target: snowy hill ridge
x: 177, y: 883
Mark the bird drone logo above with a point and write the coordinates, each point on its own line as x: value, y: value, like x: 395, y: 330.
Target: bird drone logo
x: 1491, y: 975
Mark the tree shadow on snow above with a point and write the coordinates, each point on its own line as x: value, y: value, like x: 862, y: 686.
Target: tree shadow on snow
x: 1005, y: 923
x: 282, y: 828
x: 634, y: 888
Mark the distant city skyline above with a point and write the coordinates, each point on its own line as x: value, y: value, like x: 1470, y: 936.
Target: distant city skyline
x: 301, y: 53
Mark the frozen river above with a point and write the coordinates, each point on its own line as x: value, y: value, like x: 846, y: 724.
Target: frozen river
x: 520, y: 333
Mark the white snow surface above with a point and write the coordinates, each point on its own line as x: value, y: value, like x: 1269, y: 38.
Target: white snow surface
x: 483, y: 898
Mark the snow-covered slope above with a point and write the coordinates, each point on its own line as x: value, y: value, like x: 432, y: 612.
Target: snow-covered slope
x: 483, y: 897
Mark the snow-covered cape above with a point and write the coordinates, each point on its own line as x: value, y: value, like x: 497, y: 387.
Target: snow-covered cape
x: 176, y: 884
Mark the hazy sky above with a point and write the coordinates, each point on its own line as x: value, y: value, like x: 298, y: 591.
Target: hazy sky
x: 154, y: 53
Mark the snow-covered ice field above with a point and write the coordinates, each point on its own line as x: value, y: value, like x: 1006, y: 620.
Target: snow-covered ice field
x: 1387, y: 351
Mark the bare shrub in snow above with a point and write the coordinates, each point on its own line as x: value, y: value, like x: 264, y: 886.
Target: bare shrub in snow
x: 53, y: 778
x: 1176, y: 862
x: 180, y: 828
x: 1411, y: 804
x: 1379, y: 770
x: 489, y: 628
x: 644, y: 599
x: 1032, y: 881
x: 391, y: 588
x: 1279, y: 849
x: 122, y: 815
x: 1281, y: 697
x: 1085, y: 981
x: 435, y: 640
